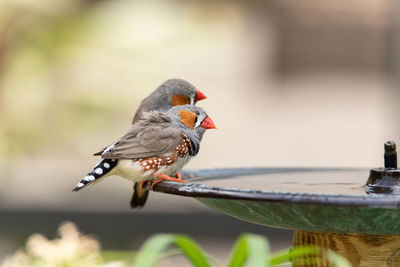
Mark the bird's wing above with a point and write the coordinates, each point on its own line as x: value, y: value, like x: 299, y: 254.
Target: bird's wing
x: 100, y: 151
x: 145, y: 139
x: 137, y: 115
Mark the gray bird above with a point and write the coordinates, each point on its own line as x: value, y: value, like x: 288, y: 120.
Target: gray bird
x: 155, y: 148
x: 170, y: 93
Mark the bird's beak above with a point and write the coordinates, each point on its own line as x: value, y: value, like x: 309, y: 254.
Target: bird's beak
x: 199, y: 96
x: 208, y: 124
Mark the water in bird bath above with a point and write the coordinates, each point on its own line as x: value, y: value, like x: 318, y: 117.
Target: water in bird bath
x: 324, y: 181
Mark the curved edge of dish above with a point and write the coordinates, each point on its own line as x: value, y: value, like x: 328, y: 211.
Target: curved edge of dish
x: 198, y: 190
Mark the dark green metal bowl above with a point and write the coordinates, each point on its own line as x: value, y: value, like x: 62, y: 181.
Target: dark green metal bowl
x: 311, y: 199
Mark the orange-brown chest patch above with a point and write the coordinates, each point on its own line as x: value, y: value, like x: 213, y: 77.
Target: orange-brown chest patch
x: 188, y: 118
x: 155, y: 163
x: 177, y: 100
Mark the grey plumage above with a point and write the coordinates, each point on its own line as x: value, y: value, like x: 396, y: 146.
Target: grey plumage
x: 160, y: 99
x: 157, y: 133
x: 154, y: 135
x: 150, y: 136
x: 197, y: 133
x: 138, y: 142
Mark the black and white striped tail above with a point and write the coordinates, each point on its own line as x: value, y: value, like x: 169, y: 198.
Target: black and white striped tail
x: 101, y: 169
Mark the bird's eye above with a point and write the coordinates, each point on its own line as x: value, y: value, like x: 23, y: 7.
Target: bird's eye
x: 197, y: 112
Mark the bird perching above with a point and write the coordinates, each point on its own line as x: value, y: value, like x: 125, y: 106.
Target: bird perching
x: 161, y: 140
x: 156, y: 147
x: 172, y: 92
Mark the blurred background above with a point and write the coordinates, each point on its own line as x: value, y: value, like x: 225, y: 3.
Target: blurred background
x: 289, y: 83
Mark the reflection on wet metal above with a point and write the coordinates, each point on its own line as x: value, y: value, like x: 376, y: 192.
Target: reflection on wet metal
x: 324, y: 186
x: 318, y: 200
x: 319, y: 182
x: 323, y: 206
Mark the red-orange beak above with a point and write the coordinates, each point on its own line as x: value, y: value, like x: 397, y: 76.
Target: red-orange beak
x: 208, y: 124
x: 199, y: 96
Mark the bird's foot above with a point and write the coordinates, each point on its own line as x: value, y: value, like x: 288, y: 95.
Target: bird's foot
x: 178, y: 176
x: 143, y: 184
x: 163, y: 177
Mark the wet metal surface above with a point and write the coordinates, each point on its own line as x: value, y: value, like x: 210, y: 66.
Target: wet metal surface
x: 299, y: 185
x: 322, y: 200
x: 300, y: 181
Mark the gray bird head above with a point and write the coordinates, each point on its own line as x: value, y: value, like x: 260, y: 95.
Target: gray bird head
x: 193, y: 121
x: 172, y: 92
x: 180, y: 92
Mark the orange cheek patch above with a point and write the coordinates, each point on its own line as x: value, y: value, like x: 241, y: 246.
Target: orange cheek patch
x: 177, y: 100
x: 188, y: 118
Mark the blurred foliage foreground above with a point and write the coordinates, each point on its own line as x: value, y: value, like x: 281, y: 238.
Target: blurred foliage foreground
x: 76, y: 249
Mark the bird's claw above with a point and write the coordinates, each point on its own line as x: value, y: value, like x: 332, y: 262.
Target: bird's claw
x: 164, y: 177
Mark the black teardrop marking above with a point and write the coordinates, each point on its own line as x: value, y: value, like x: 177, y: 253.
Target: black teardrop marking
x: 193, y: 149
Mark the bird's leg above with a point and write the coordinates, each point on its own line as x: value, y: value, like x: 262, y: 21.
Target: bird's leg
x: 164, y: 177
x: 143, y: 184
x: 178, y: 176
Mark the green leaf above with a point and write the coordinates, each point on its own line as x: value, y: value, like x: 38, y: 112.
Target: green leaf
x: 239, y: 253
x: 336, y: 259
x: 312, y: 254
x: 151, y: 251
x: 288, y: 255
x: 253, y: 248
x: 191, y: 250
x: 258, y: 247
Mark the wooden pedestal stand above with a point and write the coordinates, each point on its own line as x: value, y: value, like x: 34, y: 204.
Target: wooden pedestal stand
x: 359, y: 249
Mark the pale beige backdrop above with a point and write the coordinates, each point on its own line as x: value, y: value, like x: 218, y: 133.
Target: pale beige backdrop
x: 288, y: 84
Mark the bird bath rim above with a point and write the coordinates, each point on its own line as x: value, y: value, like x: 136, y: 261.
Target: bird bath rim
x: 364, y: 228
x: 194, y: 188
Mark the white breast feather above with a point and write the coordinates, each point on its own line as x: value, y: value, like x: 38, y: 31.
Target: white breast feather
x: 130, y: 170
x: 133, y: 171
x: 176, y: 166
